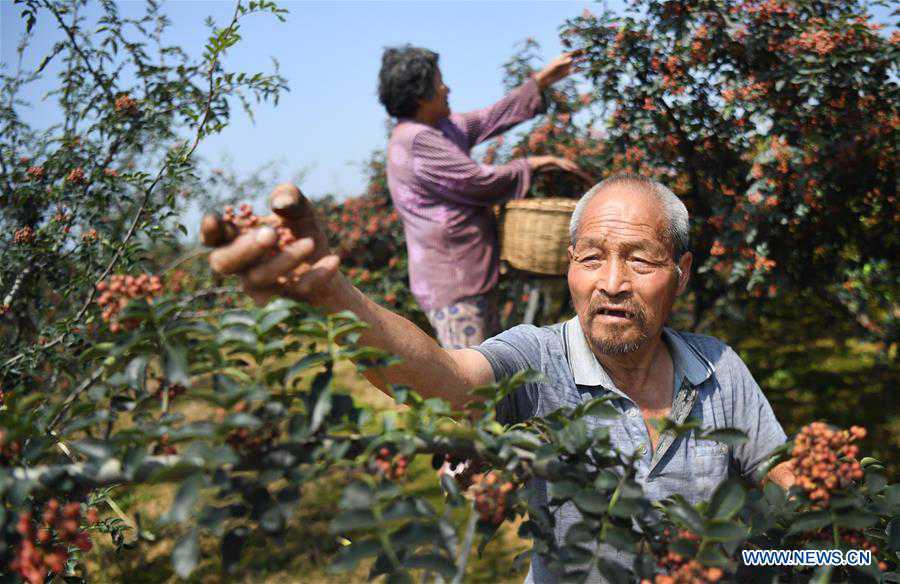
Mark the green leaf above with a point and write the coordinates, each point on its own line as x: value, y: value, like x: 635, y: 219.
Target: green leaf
x: 726, y: 500
x: 92, y: 448
x: 353, y: 520
x: 723, y: 530
x: 712, y: 556
x: 855, y: 519
x: 232, y: 547
x: 892, y: 496
x: 242, y: 419
x: 357, y: 496
x: 238, y: 335
x: 185, y: 498
x: 307, y: 362
x: 176, y: 365
x: 674, y: 428
x: 606, y: 480
x: 868, y: 460
x: 272, y: 319
x: 730, y: 436
x: 349, y: 556
x: 185, y: 554
x: 135, y: 371
x: 574, y: 555
x: 575, y: 436
x: 591, y: 502
x: 238, y: 317
x: 601, y: 408
x: 399, y: 577
x: 432, y: 563
x: 893, y: 535
x: 625, y: 507
x: 875, y: 481
x: 619, y: 537
x: 810, y: 521
x: 562, y: 489
x: 682, y: 511
x: 320, y: 411
x: 451, y: 488
x: 581, y: 532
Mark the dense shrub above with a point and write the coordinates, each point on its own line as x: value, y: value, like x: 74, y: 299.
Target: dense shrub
x: 117, y: 372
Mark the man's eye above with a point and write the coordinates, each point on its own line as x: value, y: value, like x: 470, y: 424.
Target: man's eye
x: 642, y: 264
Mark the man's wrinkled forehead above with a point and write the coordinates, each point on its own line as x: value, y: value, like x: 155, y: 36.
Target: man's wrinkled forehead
x: 625, y: 213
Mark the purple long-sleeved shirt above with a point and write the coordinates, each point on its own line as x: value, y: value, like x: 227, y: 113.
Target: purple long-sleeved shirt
x: 444, y: 197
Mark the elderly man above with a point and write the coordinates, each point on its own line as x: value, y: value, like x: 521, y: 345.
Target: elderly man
x: 629, y: 261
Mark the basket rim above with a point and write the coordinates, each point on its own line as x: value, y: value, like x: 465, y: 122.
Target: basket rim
x: 545, y: 204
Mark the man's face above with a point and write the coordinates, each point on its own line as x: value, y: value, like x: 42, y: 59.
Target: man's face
x: 622, y: 276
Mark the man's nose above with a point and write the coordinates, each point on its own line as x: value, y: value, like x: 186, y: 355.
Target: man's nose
x: 613, y: 278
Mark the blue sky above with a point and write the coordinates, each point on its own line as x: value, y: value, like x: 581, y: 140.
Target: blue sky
x: 330, y: 53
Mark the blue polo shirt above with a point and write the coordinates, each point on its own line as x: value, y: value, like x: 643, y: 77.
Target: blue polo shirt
x: 712, y: 385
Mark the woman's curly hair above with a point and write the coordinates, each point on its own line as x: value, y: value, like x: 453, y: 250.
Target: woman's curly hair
x: 406, y: 77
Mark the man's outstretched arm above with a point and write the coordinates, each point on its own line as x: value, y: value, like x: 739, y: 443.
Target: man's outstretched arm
x: 306, y: 270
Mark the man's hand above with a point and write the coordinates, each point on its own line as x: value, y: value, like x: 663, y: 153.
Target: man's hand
x: 782, y: 475
x: 300, y: 270
x: 557, y: 69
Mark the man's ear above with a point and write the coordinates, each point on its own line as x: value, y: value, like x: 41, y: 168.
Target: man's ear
x: 684, y: 265
x: 571, y: 251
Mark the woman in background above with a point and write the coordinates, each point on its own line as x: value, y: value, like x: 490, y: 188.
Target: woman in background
x: 445, y: 198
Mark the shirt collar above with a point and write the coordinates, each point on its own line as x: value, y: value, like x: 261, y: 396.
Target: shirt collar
x: 587, y: 370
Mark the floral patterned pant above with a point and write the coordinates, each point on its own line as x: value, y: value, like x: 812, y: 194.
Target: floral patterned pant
x: 466, y: 322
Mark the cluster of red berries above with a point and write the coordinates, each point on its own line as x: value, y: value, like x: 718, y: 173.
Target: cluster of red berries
x: 35, y: 172
x: 245, y: 220
x: 249, y: 442
x: 90, y: 236
x: 176, y: 280
x: 9, y: 449
x: 174, y: 390
x: 389, y: 465
x: 680, y: 570
x: 76, y: 176
x: 163, y: 446
x: 856, y: 540
x: 119, y: 290
x: 464, y: 471
x: 692, y: 572
x: 24, y: 235
x: 491, y: 497
x: 125, y: 104
x: 824, y: 459
x: 853, y: 539
x: 44, y: 548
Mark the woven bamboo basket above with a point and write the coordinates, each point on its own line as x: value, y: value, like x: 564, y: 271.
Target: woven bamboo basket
x: 534, y: 234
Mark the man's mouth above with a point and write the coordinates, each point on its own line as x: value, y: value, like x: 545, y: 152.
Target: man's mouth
x: 614, y: 312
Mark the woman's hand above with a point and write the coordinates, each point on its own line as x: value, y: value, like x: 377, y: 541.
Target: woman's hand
x: 300, y: 270
x: 539, y: 163
x: 557, y: 69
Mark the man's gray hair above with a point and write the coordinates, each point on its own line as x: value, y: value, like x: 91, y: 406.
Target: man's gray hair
x: 678, y: 229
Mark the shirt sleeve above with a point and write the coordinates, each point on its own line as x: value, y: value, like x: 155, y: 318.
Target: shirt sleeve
x: 450, y: 173
x: 752, y: 414
x: 511, y: 351
x: 522, y: 103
